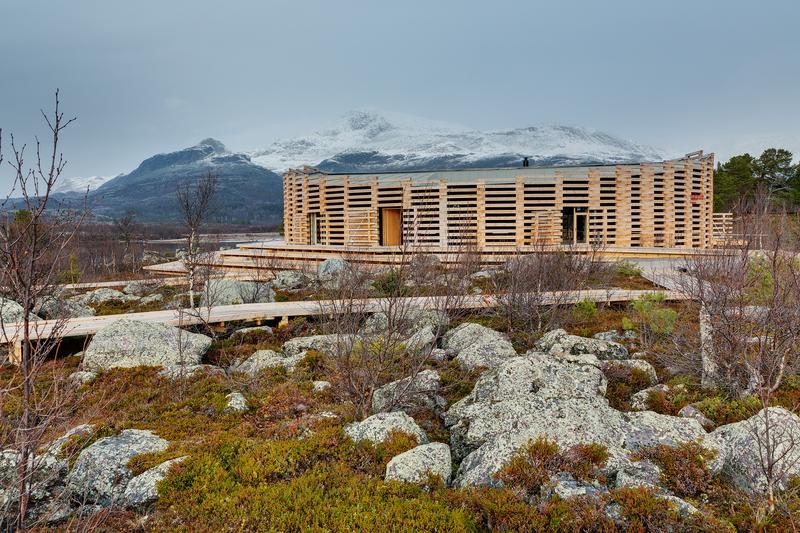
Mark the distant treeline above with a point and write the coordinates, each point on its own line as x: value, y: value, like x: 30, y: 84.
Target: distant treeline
x: 743, y: 177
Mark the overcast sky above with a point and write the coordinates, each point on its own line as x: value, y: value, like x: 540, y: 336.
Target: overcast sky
x: 152, y: 76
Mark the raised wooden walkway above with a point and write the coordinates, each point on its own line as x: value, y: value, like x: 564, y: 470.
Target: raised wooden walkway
x: 82, y: 327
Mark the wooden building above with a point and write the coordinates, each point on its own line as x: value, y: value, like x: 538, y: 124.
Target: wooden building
x: 664, y: 204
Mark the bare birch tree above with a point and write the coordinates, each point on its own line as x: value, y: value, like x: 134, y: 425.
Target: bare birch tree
x: 35, y: 232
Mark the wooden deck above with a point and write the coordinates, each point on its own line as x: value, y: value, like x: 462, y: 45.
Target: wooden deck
x: 281, y: 255
x: 83, y: 327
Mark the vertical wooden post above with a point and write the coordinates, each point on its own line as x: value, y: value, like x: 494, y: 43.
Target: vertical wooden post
x: 480, y: 222
x: 520, y: 212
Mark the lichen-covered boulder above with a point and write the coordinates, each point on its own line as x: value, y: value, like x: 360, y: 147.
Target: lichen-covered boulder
x: 332, y: 272
x: 11, y: 311
x: 478, y: 346
x: 263, y: 359
x: 141, y: 491
x: 407, y: 394
x: 103, y: 295
x: 287, y: 280
x: 46, y: 484
x: 236, y: 403
x: 320, y: 386
x: 101, y: 475
x: 542, y: 396
x: 81, y: 377
x: 225, y: 291
x: 740, y: 456
x: 378, y: 427
x: 327, y: 344
x: 53, y: 307
x: 690, y: 411
x: 141, y: 287
x: 408, y: 322
x: 128, y: 343
x: 647, y: 428
x: 415, y: 465
x: 253, y: 329
x: 187, y: 371
x: 559, y: 342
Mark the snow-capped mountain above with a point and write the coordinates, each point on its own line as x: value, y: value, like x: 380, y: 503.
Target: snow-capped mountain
x: 246, y: 192
x: 80, y: 185
x: 369, y: 141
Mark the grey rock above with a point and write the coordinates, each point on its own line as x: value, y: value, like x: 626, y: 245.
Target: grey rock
x: 141, y: 491
x: 11, y: 311
x: 478, y: 346
x: 128, y: 343
x: 101, y: 474
x: 225, y: 291
x: 377, y: 427
x: 649, y: 429
x: 421, y: 342
x: 103, y: 295
x: 559, y: 342
x: 690, y: 411
x: 640, y: 401
x: 237, y: 403
x: 638, y: 474
x: 609, y: 336
x: 54, y: 307
x: 638, y: 364
x: 81, y: 377
x: 416, y: 464
x: 151, y: 299
x: 187, y: 371
x: 565, y: 486
x: 412, y: 321
x: 738, y: 448
x: 538, y: 395
x: 263, y: 359
x: 439, y: 355
x: 54, y: 447
x: 253, y: 329
x: 407, y: 394
x: 481, y: 275
x: 683, y: 507
x: 141, y: 287
x: 46, y: 471
x: 332, y: 272
x: 327, y: 344
x: 320, y: 386
x: 287, y: 280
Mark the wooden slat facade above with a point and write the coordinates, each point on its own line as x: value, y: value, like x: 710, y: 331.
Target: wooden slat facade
x: 650, y: 205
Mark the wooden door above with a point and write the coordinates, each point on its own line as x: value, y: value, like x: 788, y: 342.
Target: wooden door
x: 391, y: 227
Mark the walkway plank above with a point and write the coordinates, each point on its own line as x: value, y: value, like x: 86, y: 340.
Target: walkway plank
x: 81, y: 327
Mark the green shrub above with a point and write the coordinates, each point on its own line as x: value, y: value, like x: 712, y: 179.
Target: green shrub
x: 391, y: 283
x: 584, y: 311
x: 652, y: 316
x: 723, y: 411
x: 626, y: 268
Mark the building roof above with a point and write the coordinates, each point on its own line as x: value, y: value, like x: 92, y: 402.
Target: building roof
x: 492, y: 174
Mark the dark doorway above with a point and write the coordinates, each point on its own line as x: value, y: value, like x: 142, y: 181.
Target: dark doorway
x: 574, y: 225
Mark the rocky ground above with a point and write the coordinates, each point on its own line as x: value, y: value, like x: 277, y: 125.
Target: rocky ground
x: 253, y: 431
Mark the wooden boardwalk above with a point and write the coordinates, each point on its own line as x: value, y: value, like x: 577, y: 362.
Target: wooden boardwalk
x: 83, y: 327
